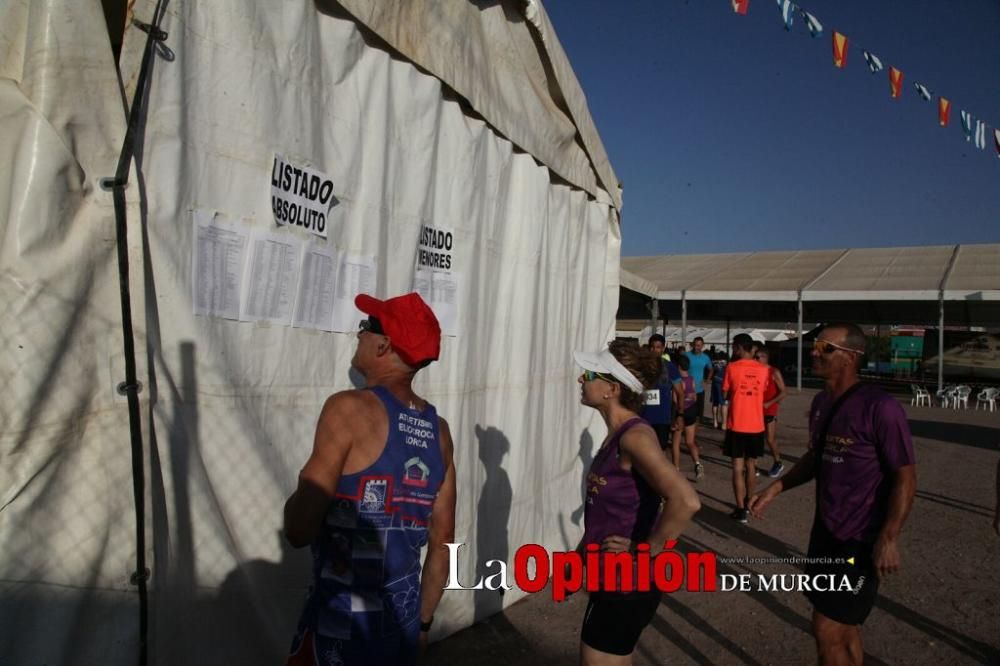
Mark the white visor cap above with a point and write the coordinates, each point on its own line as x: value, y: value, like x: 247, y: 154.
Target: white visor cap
x: 605, y: 363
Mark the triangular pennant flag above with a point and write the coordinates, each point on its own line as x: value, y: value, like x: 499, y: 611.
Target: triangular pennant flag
x: 980, y: 134
x: 895, y: 81
x: 967, y: 125
x: 815, y: 27
x: 839, y: 49
x: 741, y: 6
x: 787, y: 12
x: 874, y: 64
x: 944, y: 111
x: 996, y: 140
x: 923, y: 91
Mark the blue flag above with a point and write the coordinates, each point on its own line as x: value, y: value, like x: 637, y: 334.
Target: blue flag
x: 787, y: 12
x: 815, y: 27
x: 874, y: 64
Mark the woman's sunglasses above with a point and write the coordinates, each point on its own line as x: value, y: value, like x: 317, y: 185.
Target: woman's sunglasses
x: 590, y: 375
x: 825, y: 347
x: 371, y: 325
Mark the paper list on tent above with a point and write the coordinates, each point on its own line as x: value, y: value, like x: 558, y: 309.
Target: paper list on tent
x: 440, y: 291
x: 271, y: 276
x: 317, y: 287
x: 219, y: 250
x: 355, y: 275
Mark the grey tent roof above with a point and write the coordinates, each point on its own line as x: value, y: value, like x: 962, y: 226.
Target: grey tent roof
x: 958, y: 272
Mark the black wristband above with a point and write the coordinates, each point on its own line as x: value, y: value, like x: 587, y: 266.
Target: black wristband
x: 426, y: 626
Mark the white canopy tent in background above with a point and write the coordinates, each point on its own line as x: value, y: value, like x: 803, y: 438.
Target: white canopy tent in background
x: 719, y: 337
x: 902, y: 282
x: 416, y: 124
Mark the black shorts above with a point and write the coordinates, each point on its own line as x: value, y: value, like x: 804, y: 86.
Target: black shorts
x: 743, y: 444
x: 613, y: 624
x: 664, y: 434
x: 691, y: 415
x: 769, y: 419
x: 848, y: 606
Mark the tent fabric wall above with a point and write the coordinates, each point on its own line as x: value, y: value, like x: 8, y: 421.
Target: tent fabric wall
x: 67, y: 542
x: 229, y: 407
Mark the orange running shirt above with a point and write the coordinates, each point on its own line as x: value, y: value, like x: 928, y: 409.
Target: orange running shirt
x: 746, y: 382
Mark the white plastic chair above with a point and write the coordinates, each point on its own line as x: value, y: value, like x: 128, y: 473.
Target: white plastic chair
x: 920, y: 394
x: 944, y: 395
x: 988, y: 397
x: 961, y: 395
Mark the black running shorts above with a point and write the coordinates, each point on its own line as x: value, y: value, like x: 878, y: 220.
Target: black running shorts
x: 613, y: 623
x: 848, y: 606
x: 743, y: 444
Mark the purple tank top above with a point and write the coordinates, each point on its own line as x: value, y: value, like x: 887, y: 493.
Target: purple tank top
x: 619, y: 502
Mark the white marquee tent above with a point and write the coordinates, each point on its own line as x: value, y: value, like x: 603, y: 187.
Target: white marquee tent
x: 456, y: 115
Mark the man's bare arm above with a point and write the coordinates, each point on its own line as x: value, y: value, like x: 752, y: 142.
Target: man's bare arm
x: 803, y: 472
x: 441, y: 530
x: 886, y: 551
x: 318, y: 480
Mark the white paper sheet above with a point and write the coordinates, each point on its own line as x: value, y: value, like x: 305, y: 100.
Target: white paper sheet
x: 218, y: 251
x: 440, y: 291
x: 271, y: 277
x: 317, y: 288
x: 355, y: 275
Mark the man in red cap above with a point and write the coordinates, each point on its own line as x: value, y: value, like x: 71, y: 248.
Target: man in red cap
x: 379, y: 485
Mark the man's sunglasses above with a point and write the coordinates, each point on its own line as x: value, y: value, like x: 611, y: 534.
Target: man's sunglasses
x: 590, y: 375
x: 371, y: 325
x: 825, y: 347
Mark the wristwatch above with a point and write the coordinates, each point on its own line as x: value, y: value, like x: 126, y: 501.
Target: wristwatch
x: 426, y: 626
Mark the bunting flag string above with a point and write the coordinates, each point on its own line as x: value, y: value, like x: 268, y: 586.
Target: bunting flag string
x: 944, y: 111
x: 787, y: 12
x: 967, y: 125
x: 874, y: 64
x: 973, y: 129
x: 815, y: 27
x: 839, y: 50
x: 895, y: 82
x: 980, y: 134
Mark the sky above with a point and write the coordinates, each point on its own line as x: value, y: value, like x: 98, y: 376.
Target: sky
x: 730, y: 134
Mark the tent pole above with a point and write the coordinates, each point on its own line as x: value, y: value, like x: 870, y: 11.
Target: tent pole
x: 941, y: 341
x: 654, y: 312
x: 684, y: 318
x: 798, y: 364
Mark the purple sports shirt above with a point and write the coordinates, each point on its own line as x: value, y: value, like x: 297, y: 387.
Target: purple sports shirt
x: 868, y: 440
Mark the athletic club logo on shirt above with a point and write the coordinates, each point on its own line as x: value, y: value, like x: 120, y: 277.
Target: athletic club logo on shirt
x: 373, y: 498
x: 415, y: 472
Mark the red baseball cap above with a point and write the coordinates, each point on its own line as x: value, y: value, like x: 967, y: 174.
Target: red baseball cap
x: 409, y: 322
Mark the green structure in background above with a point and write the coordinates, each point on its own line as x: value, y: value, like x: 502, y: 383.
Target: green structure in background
x: 905, y: 352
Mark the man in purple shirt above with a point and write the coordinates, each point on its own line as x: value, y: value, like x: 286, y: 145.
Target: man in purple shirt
x: 861, y: 455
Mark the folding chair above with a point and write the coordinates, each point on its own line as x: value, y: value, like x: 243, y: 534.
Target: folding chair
x: 920, y: 394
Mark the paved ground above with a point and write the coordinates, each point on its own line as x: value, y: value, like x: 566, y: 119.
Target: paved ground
x: 941, y: 609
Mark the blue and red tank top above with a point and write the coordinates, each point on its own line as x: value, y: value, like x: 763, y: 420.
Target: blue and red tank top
x: 364, y: 603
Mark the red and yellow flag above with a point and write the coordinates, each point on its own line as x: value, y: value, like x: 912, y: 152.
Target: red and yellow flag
x: 944, y: 111
x: 741, y: 6
x: 839, y: 49
x: 896, y: 81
